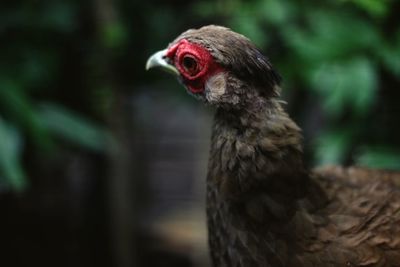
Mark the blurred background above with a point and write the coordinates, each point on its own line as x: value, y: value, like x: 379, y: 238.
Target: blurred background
x: 103, y: 164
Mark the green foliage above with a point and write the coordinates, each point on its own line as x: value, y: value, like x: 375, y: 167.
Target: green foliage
x: 374, y: 7
x: 389, y: 54
x: 71, y: 127
x: 333, y: 145
x: 19, y: 108
x: 113, y: 34
x: 350, y: 84
x: 336, y: 49
x: 379, y: 157
x: 39, y: 124
x: 10, y: 153
x: 35, y: 36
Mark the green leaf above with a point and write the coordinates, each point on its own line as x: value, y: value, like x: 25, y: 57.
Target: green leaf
x: 57, y: 15
x: 332, y: 146
x: 19, y: 108
x: 72, y: 127
x: 346, y: 86
x: 379, y: 157
x: 389, y: 53
x: 377, y: 8
x: 275, y: 11
x: 330, y: 36
x: 10, y: 157
x: 114, y: 34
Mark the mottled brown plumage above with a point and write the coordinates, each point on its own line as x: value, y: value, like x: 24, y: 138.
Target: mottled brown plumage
x: 264, y: 207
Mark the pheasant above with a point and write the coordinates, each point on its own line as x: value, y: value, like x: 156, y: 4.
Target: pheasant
x: 264, y: 207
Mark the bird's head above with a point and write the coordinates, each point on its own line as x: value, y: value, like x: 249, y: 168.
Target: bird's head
x: 218, y: 66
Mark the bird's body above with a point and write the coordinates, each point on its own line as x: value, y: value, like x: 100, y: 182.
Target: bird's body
x: 264, y: 207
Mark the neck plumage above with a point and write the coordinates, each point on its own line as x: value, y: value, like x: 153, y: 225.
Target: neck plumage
x: 255, y: 177
x: 253, y: 147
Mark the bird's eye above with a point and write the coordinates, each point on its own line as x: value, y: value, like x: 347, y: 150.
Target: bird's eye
x: 190, y: 65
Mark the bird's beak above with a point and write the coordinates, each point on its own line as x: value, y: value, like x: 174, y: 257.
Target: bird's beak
x: 158, y: 60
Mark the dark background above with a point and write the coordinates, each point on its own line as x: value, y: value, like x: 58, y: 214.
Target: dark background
x: 103, y: 164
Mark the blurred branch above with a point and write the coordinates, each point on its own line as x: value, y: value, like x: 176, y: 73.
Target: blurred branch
x: 110, y: 37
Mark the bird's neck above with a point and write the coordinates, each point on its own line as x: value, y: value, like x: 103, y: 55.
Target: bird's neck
x: 258, y: 144
x: 256, y: 177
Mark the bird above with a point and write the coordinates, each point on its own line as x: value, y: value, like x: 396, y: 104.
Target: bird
x: 264, y: 206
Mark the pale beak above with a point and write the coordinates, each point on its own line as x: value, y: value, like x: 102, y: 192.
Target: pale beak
x: 158, y: 60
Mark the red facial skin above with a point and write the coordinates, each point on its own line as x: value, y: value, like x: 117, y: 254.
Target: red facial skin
x: 194, y: 63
